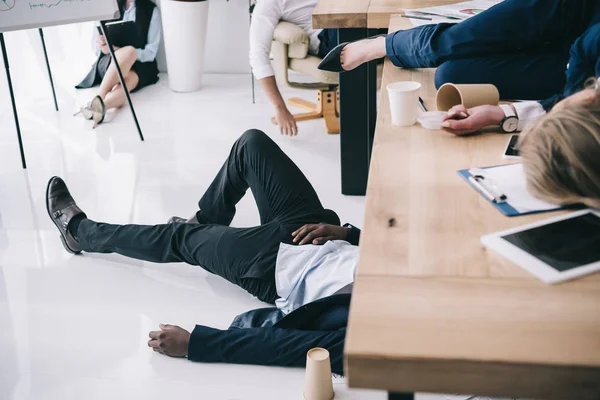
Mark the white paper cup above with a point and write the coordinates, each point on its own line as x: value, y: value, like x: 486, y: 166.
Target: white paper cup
x: 404, y: 102
x: 318, y: 384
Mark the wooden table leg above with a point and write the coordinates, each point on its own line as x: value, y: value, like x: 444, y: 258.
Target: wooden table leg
x: 358, y: 114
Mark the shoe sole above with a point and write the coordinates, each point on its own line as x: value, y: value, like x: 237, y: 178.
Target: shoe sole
x: 62, y: 237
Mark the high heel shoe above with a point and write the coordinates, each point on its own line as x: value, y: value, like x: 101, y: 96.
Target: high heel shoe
x: 94, y: 110
x: 332, y: 61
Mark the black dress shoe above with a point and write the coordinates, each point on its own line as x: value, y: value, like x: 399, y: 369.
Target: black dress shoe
x: 332, y: 61
x: 61, y: 209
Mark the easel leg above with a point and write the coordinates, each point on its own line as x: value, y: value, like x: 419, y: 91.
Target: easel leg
x: 114, y: 59
x: 12, y: 98
x: 48, y: 66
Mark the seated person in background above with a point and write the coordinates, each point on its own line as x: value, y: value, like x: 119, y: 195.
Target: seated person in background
x: 137, y: 65
x: 523, y: 47
x: 267, y: 14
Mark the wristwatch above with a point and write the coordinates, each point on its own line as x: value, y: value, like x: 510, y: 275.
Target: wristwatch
x: 510, y: 123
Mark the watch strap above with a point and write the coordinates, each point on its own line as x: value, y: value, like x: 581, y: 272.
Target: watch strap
x: 508, y: 111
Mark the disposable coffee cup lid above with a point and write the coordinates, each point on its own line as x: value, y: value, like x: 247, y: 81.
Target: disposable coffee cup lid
x: 432, y: 120
x: 432, y: 116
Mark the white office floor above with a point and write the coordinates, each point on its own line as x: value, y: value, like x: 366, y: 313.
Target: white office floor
x: 76, y: 327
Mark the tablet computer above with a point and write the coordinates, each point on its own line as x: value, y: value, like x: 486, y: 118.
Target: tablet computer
x: 512, y: 148
x: 555, y: 249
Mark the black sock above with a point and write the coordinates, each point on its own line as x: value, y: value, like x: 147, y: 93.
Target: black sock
x: 74, y: 224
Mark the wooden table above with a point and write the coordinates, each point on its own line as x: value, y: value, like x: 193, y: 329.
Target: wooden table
x: 379, y: 11
x: 432, y: 309
x: 355, y: 20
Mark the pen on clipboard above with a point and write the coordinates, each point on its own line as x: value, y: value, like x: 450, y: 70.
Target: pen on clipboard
x: 414, y: 17
x: 478, y: 182
x: 422, y: 105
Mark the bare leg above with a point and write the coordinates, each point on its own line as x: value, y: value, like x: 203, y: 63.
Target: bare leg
x: 363, y: 51
x: 116, y: 97
x: 126, y: 57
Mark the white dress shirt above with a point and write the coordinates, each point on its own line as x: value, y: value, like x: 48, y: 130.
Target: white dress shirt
x: 528, y: 112
x: 148, y: 53
x: 307, y: 273
x: 266, y: 16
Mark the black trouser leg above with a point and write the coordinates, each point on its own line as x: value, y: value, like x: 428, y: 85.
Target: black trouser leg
x: 281, y: 190
x: 243, y: 256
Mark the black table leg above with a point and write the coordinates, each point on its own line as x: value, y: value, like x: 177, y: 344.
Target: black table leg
x: 12, y: 98
x: 401, y: 396
x: 48, y: 67
x: 358, y: 101
x: 121, y: 79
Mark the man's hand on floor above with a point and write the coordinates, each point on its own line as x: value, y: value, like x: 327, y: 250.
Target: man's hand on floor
x: 171, y: 340
x: 319, y: 234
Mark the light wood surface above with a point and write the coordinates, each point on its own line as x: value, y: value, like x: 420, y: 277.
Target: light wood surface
x: 341, y: 14
x: 364, y: 13
x: 379, y: 12
x: 432, y: 309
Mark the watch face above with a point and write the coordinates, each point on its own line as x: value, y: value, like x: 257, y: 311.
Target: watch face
x: 510, y: 124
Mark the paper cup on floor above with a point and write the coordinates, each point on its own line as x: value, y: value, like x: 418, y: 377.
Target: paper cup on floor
x: 318, y: 384
x: 404, y: 102
x: 450, y: 95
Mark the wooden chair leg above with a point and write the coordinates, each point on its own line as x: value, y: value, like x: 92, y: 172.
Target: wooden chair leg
x: 329, y: 104
x: 301, y: 103
x: 332, y: 122
x: 308, y: 116
x: 302, y: 117
x: 327, y: 107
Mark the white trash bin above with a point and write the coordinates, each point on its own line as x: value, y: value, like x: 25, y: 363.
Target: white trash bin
x: 184, y: 28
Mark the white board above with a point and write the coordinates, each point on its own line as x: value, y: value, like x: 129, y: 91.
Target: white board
x: 26, y: 14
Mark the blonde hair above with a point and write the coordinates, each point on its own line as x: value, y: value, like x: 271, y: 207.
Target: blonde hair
x: 561, y: 156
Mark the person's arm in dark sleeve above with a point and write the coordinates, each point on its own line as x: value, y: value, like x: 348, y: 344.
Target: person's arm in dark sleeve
x: 584, y: 62
x: 265, y: 346
x: 353, y: 234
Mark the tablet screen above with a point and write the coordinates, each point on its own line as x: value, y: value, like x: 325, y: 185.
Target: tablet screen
x: 563, y: 245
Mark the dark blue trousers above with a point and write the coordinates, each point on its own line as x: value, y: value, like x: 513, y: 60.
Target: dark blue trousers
x: 521, y: 46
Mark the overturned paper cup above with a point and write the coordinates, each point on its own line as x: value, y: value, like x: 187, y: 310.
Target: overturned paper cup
x: 450, y: 95
x: 318, y: 384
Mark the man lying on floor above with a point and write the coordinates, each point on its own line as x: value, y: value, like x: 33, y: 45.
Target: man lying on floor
x: 309, y: 284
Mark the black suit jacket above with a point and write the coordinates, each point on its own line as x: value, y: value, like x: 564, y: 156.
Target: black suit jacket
x: 266, y: 336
